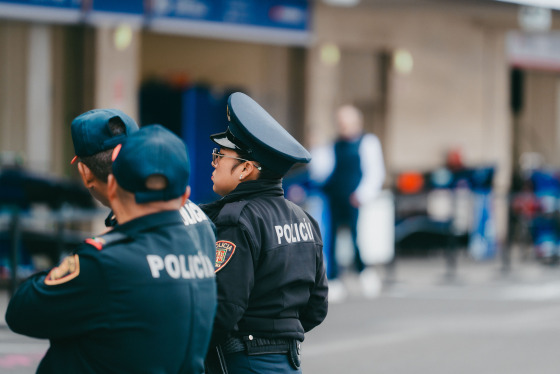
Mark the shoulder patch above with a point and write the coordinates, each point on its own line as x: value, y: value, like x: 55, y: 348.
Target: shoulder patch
x: 224, y: 251
x: 112, y: 237
x: 68, y: 269
x: 98, y: 243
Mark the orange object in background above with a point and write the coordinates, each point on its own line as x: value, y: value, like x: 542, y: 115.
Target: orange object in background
x: 410, y: 182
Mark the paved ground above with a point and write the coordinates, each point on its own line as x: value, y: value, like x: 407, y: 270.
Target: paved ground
x: 481, y: 321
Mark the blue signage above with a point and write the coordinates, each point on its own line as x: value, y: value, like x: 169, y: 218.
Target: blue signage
x: 64, y: 4
x: 281, y: 21
x: 131, y: 7
x: 63, y: 11
x: 287, y: 14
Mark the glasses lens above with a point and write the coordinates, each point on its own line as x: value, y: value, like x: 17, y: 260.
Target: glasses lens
x: 215, y: 155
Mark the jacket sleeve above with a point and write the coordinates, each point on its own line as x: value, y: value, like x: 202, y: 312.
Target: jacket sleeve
x: 235, y: 280
x: 317, y: 306
x: 61, y: 303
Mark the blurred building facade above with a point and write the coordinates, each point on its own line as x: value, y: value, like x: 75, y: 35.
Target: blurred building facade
x: 430, y: 75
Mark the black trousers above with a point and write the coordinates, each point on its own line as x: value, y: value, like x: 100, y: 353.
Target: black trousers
x: 241, y: 363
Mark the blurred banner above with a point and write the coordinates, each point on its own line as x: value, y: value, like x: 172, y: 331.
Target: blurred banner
x: 534, y: 50
x: 58, y: 11
x: 280, y: 21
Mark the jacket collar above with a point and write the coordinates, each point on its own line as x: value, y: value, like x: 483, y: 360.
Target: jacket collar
x: 253, y: 189
x: 150, y: 221
x: 245, y: 191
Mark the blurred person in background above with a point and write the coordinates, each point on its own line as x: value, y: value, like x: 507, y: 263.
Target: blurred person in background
x: 351, y: 172
x: 272, y: 286
x: 140, y: 299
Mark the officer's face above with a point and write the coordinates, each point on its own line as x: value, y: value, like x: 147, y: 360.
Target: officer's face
x: 226, y: 172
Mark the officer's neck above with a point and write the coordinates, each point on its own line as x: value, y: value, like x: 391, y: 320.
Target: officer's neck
x: 127, y: 209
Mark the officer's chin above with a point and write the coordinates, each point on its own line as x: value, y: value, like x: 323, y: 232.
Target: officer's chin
x: 221, y: 193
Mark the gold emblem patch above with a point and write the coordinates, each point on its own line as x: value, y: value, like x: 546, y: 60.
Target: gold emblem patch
x: 224, y: 251
x: 68, y: 269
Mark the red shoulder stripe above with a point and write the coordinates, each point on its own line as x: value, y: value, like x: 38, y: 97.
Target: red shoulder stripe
x: 94, y: 243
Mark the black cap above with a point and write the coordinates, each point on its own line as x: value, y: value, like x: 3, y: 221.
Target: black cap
x: 252, y: 130
x: 153, y: 150
x: 91, y: 133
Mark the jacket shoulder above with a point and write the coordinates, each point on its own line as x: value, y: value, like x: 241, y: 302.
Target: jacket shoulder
x: 230, y: 213
x: 103, y: 241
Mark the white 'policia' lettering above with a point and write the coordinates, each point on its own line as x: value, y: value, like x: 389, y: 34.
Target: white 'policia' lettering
x: 186, y: 267
x: 192, y: 214
x: 294, y: 232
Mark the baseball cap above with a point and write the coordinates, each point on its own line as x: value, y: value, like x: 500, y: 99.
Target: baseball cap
x: 152, y: 150
x: 252, y: 130
x: 91, y: 133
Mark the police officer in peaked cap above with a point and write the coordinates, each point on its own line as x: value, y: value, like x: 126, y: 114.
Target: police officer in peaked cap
x: 272, y: 286
x: 141, y: 298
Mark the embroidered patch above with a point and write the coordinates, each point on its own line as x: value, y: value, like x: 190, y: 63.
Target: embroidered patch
x: 68, y: 269
x: 224, y: 251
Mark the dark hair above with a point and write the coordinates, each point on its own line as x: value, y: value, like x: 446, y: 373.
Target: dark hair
x: 100, y: 163
x: 264, y: 173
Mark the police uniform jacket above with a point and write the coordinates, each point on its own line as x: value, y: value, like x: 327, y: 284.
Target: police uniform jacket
x: 140, y: 299
x: 269, y: 265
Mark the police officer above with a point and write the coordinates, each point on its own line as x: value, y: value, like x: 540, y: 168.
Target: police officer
x: 140, y: 299
x: 95, y: 134
x: 272, y: 286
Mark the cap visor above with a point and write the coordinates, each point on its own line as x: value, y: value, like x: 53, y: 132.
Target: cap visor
x: 74, y: 160
x: 222, y: 140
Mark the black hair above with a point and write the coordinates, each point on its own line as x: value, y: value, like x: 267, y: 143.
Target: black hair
x: 100, y: 163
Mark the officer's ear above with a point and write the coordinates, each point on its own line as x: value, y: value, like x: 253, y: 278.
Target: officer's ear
x: 111, y: 188
x: 186, y: 195
x: 86, y: 174
x: 251, y: 170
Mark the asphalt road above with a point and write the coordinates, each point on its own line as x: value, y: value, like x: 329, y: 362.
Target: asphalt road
x: 436, y: 336
x: 481, y: 322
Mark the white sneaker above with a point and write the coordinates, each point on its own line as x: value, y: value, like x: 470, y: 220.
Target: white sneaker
x: 337, y: 291
x: 371, y: 284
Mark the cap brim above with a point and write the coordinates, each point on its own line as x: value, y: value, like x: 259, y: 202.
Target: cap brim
x: 74, y: 159
x: 222, y: 140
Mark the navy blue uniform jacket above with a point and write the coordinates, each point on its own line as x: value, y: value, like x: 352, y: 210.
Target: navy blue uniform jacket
x: 269, y: 262
x: 140, y: 299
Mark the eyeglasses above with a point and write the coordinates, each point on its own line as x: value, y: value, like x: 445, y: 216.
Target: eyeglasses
x: 216, y: 155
